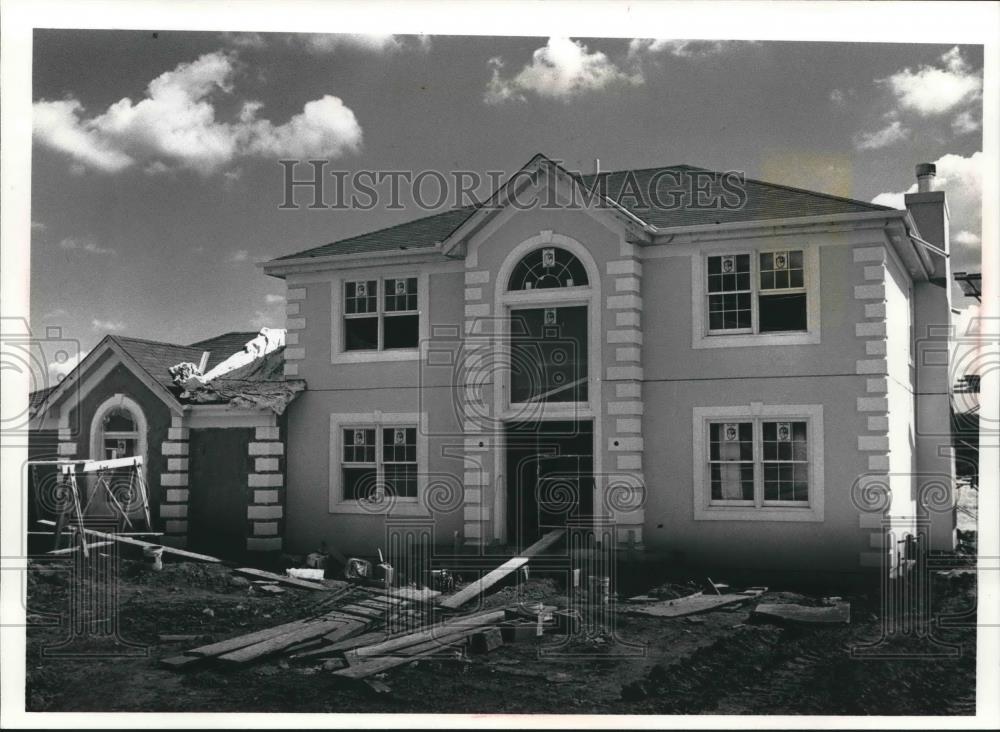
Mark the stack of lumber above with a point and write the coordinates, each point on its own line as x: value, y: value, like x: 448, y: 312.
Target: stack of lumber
x: 353, y: 612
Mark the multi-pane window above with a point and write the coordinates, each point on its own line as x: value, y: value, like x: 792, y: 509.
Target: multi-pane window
x: 782, y: 299
x: 399, y: 460
x: 381, y: 315
x: 785, y: 459
x: 360, y: 469
x: 379, y: 461
x: 729, y: 293
x: 765, y: 293
x: 731, y: 461
x: 759, y: 462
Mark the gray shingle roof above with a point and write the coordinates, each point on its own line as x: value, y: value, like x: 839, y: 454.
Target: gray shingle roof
x: 155, y: 357
x: 419, y: 234
x: 764, y: 201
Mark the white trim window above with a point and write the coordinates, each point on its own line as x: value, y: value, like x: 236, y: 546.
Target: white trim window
x: 759, y: 462
x: 376, y: 462
x: 381, y: 314
x: 747, y: 298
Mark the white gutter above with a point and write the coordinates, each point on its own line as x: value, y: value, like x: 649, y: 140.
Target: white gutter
x: 786, y: 221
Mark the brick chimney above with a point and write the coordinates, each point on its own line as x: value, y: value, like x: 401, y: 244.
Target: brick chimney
x: 930, y: 210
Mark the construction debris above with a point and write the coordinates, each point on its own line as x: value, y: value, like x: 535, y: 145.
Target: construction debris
x: 838, y: 613
x: 253, y: 378
x: 280, y: 579
x: 480, y: 586
x: 691, y: 604
x: 486, y: 641
x: 351, y: 639
x: 358, y: 568
x: 306, y: 573
x: 190, y: 378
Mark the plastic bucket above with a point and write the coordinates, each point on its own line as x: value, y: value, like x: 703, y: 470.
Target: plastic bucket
x: 153, y: 557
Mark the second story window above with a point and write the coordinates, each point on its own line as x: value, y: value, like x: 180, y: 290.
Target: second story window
x: 381, y: 315
x: 762, y: 293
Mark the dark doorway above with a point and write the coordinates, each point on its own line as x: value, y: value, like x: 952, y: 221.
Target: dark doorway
x: 550, y: 477
x: 217, y: 508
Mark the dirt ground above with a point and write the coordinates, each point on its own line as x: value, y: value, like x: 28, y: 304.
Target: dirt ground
x: 716, y: 662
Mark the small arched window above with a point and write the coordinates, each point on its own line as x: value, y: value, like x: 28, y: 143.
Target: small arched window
x: 548, y: 268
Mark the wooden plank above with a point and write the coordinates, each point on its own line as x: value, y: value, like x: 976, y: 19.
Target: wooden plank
x: 696, y: 603
x: 71, y: 549
x: 484, y: 583
x: 271, y: 576
x: 87, y: 465
x: 364, y: 612
x: 373, y: 666
x: 412, y: 593
x: 280, y: 642
x: 179, y: 662
x: 838, y: 614
x: 241, y: 641
x: 385, y: 599
x: 377, y: 604
x: 474, y: 622
x: 366, y: 639
x: 550, y: 539
x: 122, y: 539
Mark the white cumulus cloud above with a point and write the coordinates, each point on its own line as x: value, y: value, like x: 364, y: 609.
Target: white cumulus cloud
x: 965, y: 122
x: 322, y: 43
x: 933, y: 90
x: 561, y: 69
x: 175, y: 127
x: 679, y: 48
x: 892, y: 133
x: 59, y: 368
x: 84, y: 245
x: 107, y: 325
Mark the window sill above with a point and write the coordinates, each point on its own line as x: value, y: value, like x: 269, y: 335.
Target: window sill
x: 740, y: 340
x: 399, y: 507
x: 396, y: 354
x: 749, y: 513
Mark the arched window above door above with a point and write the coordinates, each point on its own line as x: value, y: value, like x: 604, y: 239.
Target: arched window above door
x: 547, y: 268
x: 119, y: 433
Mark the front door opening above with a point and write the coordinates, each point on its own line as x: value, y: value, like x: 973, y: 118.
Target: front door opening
x: 550, y: 477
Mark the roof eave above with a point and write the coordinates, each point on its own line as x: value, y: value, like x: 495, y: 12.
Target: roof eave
x: 873, y: 217
x: 282, y: 267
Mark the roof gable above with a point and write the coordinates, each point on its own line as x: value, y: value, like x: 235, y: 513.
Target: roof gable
x: 138, y: 356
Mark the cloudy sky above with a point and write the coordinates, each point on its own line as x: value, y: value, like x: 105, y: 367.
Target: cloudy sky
x: 155, y: 186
